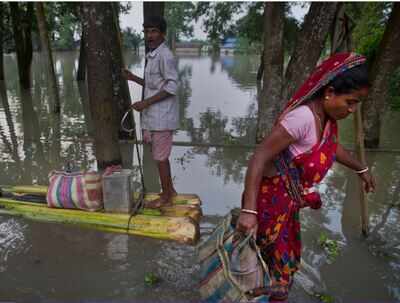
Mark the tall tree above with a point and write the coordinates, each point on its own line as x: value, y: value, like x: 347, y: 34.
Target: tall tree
x: 218, y: 21
x: 99, y: 26
x: 22, y: 16
x: 386, y: 62
x: 47, y: 55
x: 81, y: 73
x: 131, y: 39
x: 307, y: 50
x: 309, y: 45
x: 178, y: 16
x: 273, y: 67
x: 342, y: 27
x: 121, y: 91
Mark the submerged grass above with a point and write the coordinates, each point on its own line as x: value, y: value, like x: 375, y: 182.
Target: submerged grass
x: 331, y: 247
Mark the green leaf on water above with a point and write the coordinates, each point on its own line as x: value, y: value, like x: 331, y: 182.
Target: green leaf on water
x: 151, y: 279
x: 324, y: 298
x: 331, y: 247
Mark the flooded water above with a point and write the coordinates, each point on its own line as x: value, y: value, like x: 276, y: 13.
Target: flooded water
x: 43, y: 261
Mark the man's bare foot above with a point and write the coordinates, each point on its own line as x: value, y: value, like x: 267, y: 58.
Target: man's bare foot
x: 164, y: 200
x: 173, y: 194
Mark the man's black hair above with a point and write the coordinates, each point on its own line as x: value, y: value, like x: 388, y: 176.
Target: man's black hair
x: 157, y: 22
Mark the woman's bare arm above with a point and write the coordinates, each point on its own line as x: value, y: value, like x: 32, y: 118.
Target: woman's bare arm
x: 270, y: 147
x: 346, y: 159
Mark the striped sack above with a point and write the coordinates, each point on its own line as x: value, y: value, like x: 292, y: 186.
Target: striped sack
x: 79, y: 190
x: 231, y: 267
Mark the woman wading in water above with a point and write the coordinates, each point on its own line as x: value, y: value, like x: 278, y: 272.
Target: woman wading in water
x: 296, y: 155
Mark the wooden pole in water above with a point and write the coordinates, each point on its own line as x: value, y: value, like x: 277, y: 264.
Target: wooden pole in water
x: 341, y: 40
x: 360, y: 151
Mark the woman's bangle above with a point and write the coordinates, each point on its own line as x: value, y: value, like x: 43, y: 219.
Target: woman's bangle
x: 249, y: 211
x: 361, y: 171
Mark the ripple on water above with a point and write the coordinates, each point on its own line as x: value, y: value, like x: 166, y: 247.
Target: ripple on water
x: 177, y: 266
x: 12, y: 240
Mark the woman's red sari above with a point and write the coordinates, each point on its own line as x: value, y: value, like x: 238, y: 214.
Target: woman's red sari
x: 281, y: 197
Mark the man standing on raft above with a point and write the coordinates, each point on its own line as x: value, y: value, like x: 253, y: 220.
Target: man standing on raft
x: 159, y: 108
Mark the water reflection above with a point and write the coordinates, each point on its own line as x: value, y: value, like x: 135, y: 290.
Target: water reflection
x: 33, y: 147
x: 11, y: 147
x: 241, y: 69
x: 84, y: 98
x: 12, y: 240
x: 339, y: 219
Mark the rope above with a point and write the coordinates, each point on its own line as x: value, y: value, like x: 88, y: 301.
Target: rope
x: 226, y: 261
x: 136, y: 142
x: 140, y: 201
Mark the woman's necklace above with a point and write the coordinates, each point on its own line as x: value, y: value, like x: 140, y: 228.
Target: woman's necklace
x: 321, y: 128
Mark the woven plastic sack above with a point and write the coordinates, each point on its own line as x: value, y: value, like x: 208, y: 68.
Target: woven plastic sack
x: 77, y: 190
x: 232, y: 269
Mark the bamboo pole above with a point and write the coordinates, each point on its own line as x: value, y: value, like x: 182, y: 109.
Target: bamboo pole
x: 341, y: 35
x: 183, y: 229
x: 184, y: 205
x: 360, y: 151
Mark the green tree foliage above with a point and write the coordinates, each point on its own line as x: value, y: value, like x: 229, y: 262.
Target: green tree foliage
x: 250, y: 26
x: 7, y: 34
x: 220, y: 23
x: 218, y: 19
x: 179, y: 17
x: 131, y: 39
x: 370, y: 20
x: 63, y: 23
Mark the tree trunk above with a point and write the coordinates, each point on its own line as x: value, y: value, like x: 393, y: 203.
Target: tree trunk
x: 122, y: 96
x: 386, y: 62
x: 341, y: 31
x: 260, y: 71
x: 103, y: 83
x: 84, y: 96
x: 22, y: 26
x: 47, y: 55
x: 309, y: 44
x: 81, y: 74
x: 173, y: 41
x: 1, y: 41
x: 273, y: 67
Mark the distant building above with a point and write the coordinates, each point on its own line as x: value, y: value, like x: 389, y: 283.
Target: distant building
x: 228, y: 45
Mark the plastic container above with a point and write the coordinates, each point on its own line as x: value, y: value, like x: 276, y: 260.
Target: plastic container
x: 118, y: 191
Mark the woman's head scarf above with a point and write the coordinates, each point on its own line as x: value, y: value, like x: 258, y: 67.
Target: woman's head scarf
x: 322, y: 75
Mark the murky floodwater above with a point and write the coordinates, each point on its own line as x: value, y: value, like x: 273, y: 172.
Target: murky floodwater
x: 42, y: 261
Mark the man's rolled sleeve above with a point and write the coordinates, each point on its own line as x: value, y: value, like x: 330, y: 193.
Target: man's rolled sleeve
x: 169, y: 73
